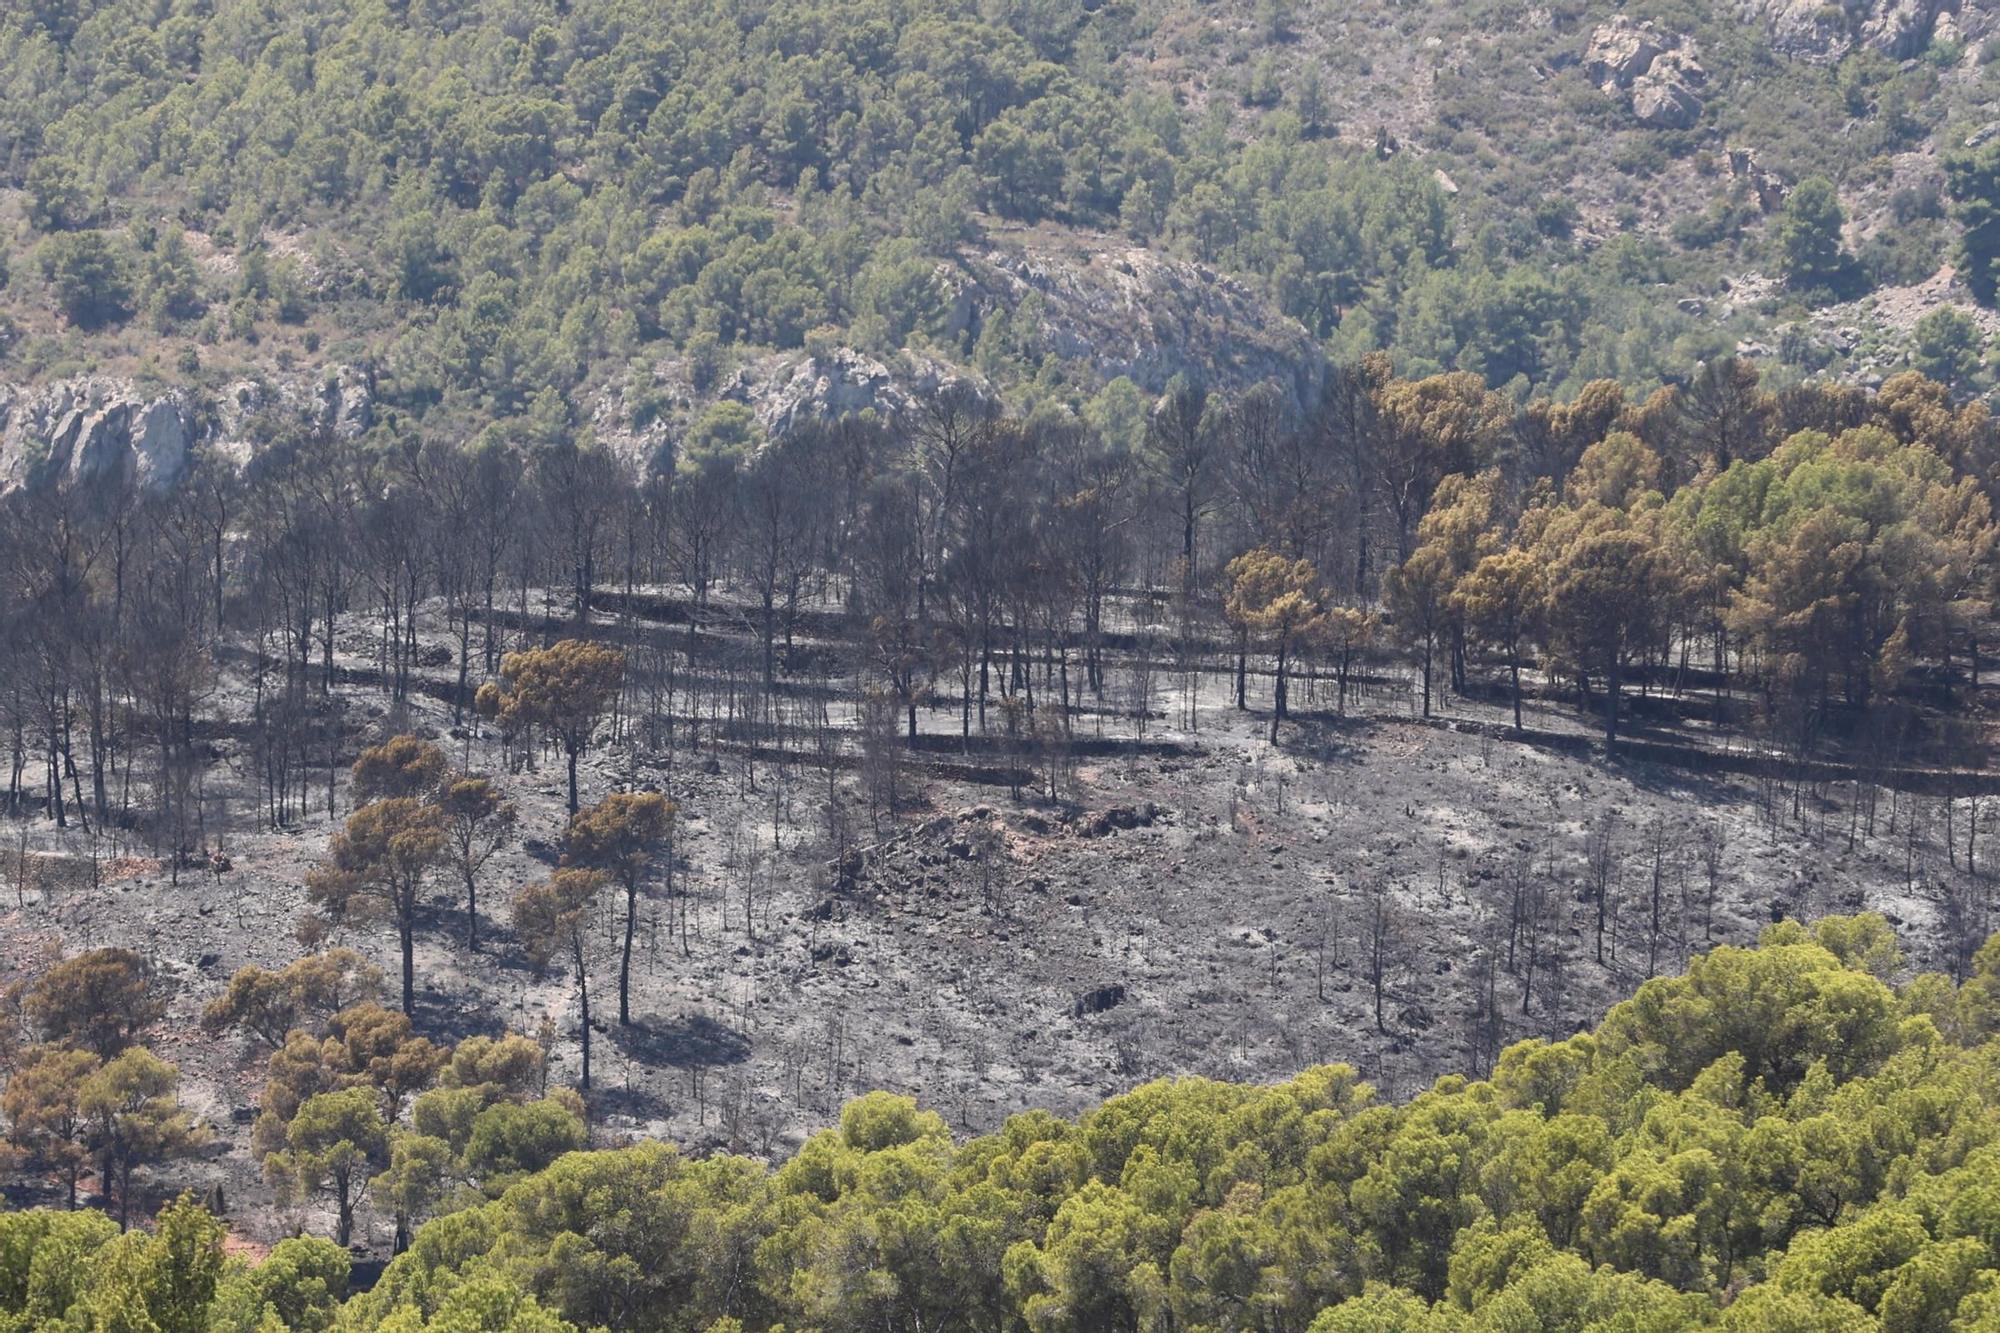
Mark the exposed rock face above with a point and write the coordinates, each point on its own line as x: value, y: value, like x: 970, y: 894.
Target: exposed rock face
x: 160, y: 439
x: 838, y: 383
x: 347, y: 402
x: 1657, y: 73
x: 1803, y: 29
x: 1665, y: 102
x: 787, y: 391
x: 1902, y: 28
x: 1620, y: 51
x: 339, y: 400
x: 1135, y: 313
x: 1823, y: 33
x: 1120, y: 310
x: 98, y: 430
x: 1124, y: 311
x: 93, y: 430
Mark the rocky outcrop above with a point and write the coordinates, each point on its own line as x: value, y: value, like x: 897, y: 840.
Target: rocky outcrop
x: 1132, y: 312
x: 1870, y: 339
x: 1803, y: 29
x: 1620, y: 51
x: 99, y: 430
x: 1121, y: 310
x: 838, y: 383
x: 1823, y: 33
x: 790, y: 389
x: 1768, y: 187
x: 1656, y: 73
x: 1665, y: 101
x: 786, y: 390
x: 93, y: 430
x: 337, y: 401
x: 1902, y: 28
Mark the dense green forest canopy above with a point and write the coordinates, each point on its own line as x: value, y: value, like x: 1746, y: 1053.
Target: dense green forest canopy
x: 1787, y: 1136
x: 489, y: 200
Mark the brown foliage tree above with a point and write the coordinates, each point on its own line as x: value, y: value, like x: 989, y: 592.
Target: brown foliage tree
x: 270, y: 1004
x: 549, y: 918
x: 136, y: 1120
x: 563, y: 689
x: 45, y: 1119
x: 99, y: 1001
x: 377, y: 865
x: 620, y: 836
x: 406, y: 766
x: 478, y: 823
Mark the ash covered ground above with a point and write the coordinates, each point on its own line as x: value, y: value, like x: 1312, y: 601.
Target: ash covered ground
x: 1194, y: 900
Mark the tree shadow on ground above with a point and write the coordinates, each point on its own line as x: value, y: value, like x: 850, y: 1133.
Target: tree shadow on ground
x: 447, y: 1019
x: 1327, y: 737
x: 636, y: 1103
x: 445, y: 918
x: 688, y: 1042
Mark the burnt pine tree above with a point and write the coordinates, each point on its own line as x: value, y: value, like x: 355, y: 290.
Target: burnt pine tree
x: 549, y: 918
x: 620, y: 836
x: 563, y: 689
x: 377, y: 865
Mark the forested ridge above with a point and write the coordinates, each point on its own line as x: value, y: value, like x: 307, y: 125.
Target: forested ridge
x: 627, y: 202
x: 1798, y: 1135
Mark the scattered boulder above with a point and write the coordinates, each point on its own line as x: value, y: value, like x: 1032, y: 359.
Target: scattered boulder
x: 1665, y: 101
x: 1655, y: 72
x: 1620, y: 51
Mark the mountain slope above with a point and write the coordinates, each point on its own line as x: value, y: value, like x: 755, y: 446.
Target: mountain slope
x: 626, y: 203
